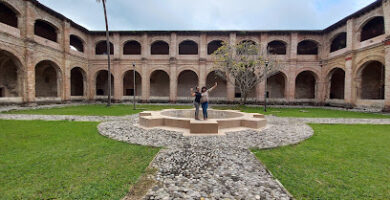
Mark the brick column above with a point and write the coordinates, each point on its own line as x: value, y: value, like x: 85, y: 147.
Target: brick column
x: 145, y: 51
x: 29, y: 96
x: 386, y: 15
x: 387, y: 75
x: 348, y: 98
x: 66, y: 90
x: 173, y: 80
x: 117, y: 46
x: 145, y: 81
x: 230, y: 86
x: 293, y: 46
x: 260, y: 89
x: 173, y: 46
x: 118, y: 82
x: 202, y: 73
x: 290, y: 83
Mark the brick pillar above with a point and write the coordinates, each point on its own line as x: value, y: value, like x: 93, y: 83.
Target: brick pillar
x: 348, y: 97
x: 145, y: 51
x: 118, y: 82
x: 230, y: 86
x: 387, y: 75
x: 145, y: 81
x: 230, y: 89
x: 350, y: 34
x: 290, y: 83
x: 66, y: 84
x: 293, y: 46
x: 173, y: 46
x: 386, y: 14
x: 117, y: 46
x: 202, y: 73
x: 173, y: 81
x: 260, y: 89
x: 29, y: 96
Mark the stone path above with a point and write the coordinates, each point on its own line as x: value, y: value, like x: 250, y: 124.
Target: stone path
x: 212, y: 167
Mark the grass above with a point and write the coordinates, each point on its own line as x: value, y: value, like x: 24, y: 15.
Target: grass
x: 96, y: 110
x: 338, y: 162
x: 66, y: 160
x: 305, y: 112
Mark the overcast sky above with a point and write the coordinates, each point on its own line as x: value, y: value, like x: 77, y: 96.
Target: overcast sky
x: 207, y: 14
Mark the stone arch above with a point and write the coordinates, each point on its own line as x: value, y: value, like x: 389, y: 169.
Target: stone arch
x: 187, y: 79
x: 249, y: 41
x: 11, y: 78
x: 188, y: 47
x: 339, y: 42
x: 101, y: 83
x: 76, y: 43
x: 276, y: 85
x: 307, y: 47
x: 250, y: 95
x: 78, y: 82
x: 306, y: 85
x: 159, y: 83
x: 45, y: 29
x: 128, y: 83
x: 221, y: 90
x: 370, y: 80
x: 132, y: 47
x: 372, y: 28
x: 336, y: 83
x: 213, y: 46
x: 159, y: 47
x: 277, y: 47
x: 8, y: 15
x: 101, y: 48
x: 47, y: 79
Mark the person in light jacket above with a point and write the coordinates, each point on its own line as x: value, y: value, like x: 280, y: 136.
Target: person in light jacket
x: 205, y: 100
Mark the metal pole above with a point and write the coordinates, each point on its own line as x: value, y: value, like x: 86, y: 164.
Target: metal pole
x: 265, y: 92
x: 134, y: 91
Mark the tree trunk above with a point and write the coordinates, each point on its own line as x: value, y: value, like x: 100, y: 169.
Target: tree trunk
x: 108, y: 54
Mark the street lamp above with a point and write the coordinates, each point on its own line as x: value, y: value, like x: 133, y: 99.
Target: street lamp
x: 134, y: 92
x: 265, y: 91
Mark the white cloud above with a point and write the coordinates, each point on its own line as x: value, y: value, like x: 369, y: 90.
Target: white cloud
x: 208, y: 14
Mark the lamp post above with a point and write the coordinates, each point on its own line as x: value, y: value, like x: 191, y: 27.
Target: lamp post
x: 265, y: 88
x: 134, y: 91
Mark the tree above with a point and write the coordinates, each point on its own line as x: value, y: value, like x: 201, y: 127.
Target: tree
x: 245, y: 64
x: 108, y: 52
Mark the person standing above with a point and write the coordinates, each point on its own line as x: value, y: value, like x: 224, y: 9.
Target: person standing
x: 205, y: 100
x: 197, y: 96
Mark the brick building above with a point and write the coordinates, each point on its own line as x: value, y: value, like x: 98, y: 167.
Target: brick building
x: 46, y: 57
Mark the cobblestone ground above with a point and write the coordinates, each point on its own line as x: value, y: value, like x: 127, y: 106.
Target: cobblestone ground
x: 212, y: 167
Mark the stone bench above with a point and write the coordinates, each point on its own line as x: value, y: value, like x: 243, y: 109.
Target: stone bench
x: 204, y: 127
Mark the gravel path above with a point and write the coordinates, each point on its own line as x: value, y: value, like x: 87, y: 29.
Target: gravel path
x: 213, y: 167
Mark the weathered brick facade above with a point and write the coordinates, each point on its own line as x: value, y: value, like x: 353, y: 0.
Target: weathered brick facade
x: 34, y: 68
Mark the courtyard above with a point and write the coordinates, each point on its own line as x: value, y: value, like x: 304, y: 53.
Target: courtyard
x: 107, y: 156
x: 194, y: 100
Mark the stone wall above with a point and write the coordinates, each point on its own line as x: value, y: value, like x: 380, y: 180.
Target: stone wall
x: 25, y: 50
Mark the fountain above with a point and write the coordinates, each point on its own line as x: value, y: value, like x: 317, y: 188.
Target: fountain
x: 219, y: 120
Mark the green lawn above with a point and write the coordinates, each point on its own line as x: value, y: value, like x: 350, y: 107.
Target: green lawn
x: 96, y: 110
x: 338, y: 162
x: 305, y: 112
x: 66, y: 160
